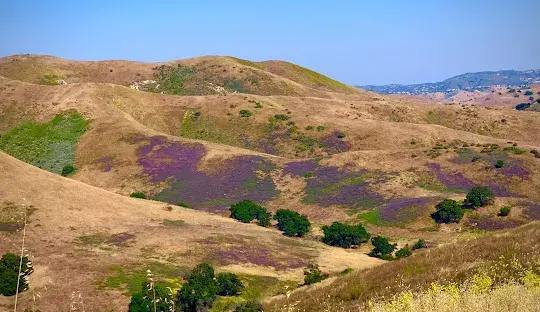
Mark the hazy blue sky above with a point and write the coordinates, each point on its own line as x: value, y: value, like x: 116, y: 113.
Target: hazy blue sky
x: 357, y: 42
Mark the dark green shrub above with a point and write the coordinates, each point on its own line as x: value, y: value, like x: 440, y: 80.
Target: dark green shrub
x: 9, y: 273
x: 291, y: 223
x: 228, y: 284
x: 320, y: 128
x: 342, y: 235
x: 308, y: 174
x: 249, y: 306
x: 448, y: 211
x: 138, y: 195
x: 309, y: 128
x: 382, y: 248
x: 143, y: 301
x: 522, y: 106
x: 245, y: 113
x: 403, y: 253
x: 419, y: 244
x: 258, y: 105
x: 504, y: 211
x: 499, y: 163
x: 263, y: 217
x: 67, y: 170
x: 346, y: 271
x: 479, y: 196
x: 341, y: 135
x: 281, y: 117
x: 312, y: 274
x: 200, y: 289
x: 246, y: 211
x: 528, y: 92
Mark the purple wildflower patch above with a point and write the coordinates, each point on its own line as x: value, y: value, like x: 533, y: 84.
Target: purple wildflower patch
x: 335, y: 186
x: 451, y: 180
x: 234, y: 180
x: 493, y: 223
x: 532, y: 210
x: 300, y: 168
x: 405, y: 210
x: 105, y: 163
x: 332, y: 144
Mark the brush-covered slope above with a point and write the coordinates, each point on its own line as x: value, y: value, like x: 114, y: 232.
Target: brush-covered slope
x: 97, y: 245
x: 124, y: 147
x: 442, y: 278
x: 197, y: 76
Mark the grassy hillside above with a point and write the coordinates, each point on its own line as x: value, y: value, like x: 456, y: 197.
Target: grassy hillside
x: 358, y: 158
x: 197, y: 76
x: 491, y: 259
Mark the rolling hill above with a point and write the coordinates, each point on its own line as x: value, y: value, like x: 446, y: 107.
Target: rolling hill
x: 211, y: 131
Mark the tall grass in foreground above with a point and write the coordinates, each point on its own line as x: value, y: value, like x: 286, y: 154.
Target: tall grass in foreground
x: 477, y: 295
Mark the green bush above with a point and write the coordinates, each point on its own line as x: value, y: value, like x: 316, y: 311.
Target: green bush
x: 341, y: 135
x: 419, y: 244
x: 228, y: 284
x: 346, y: 271
x: 403, y: 253
x: 245, y: 113
x: 320, y: 128
x: 246, y: 211
x: 528, y: 92
x: 199, y: 291
x: 342, y: 235
x: 499, y: 163
x: 258, y: 105
x: 309, y: 128
x: 281, y: 117
x: 514, y: 150
x: 308, y: 174
x: 479, y: 196
x: 141, y: 195
x: 382, y: 248
x: 249, y: 306
x: 291, y: 223
x: 67, y: 170
x: 143, y: 301
x: 312, y: 274
x: 504, y: 211
x: 448, y: 211
x: 9, y: 273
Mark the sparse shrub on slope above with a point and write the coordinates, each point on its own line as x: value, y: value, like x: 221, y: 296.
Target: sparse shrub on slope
x: 403, y: 253
x: 200, y: 289
x: 246, y: 211
x: 342, y: 235
x: 419, y: 244
x: 448, y: 211
x: 505, y: 211
x: 312, y: 274
x: 140, y: 195
x: 229, y: 284
x: 67, y: 170
x: 9, y: 273
x: 152, y: 297
x: 249, y: 306
x: 479, y: 196
x: 382, y: 248
x: 291, y: 223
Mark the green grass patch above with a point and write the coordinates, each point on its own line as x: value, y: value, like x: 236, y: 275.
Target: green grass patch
x: 172, y: 80
x: 371, y: 217
x: 130, y: 280
x: 51, y: 80
x: 256, y: 288
x: 49, y: 146
x: 175, y: 223
x: 514, y: 150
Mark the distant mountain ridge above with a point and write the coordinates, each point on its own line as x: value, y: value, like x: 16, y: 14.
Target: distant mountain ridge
x: 467, y: 82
